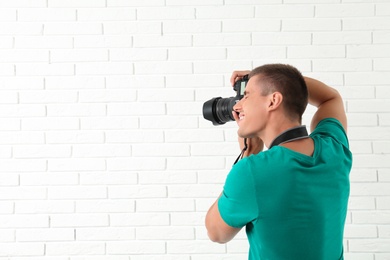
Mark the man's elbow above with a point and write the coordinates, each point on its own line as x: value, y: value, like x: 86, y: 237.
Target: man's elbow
x: 215, y: 237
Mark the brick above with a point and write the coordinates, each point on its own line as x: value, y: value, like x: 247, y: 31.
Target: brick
x: 149, y: 81
x: 165, y: 95
x: 76, y: 3
x: 361, y: 203
x: 22, y: 165
x: 57, y: 56
x: 73, y: 28
x: 197, y: 54
x: 381, y: 64
x: 7, y: 235
x: 103, y: 41
x: 342, y: 64
x: 368, y: 51
x: 22, y: 28
x: 77, y: 82
x: 166, y: 122
x: 106, y: 14
x: 58, y: 110
x: 22, y: 249
x: 24, y: 3
x: 24, y: 221
x: 344, y: 37
x: 300, y: 25
x: 145, y: 136
x: 281, y: 38
x: 335, y: 51
x: 168, y: 177
x: 360, y: 231
x: 54, y: 123
x: 194, y: 2
x: 44, y: 235
x: 138, y: 54
x: 80, y: 248
x: 98, y: 150
x: 105, y: 206
x: 191, y: 191
x: 247, y: 25
x: 132, y: 28
x: 105, y: 234
x: 369, y: 189
x: 193, y: 81
x: 165, y: 205
x: 74, y: 137
x: 84, y: 164
x: 224, y: 12
x: 10, y: 124
x: 366, y: 78
x: 78, y: 220
x: 257, y: 52
x: 44, y: 206
x: 345, y: 10
x: 368, y: 245
x: 191, y: 26
x: 112, y: 122
x: 22, y: 138
x: 135, y: 191
x: 165, y: 233
x: 198, y: 163
x: 136, y: 247
x: 36, y: 69
x: 6, y: 42
x: 160, y: 150
x: 140, y: 219
x: 365, y: 24
x: 194, y: 247
x: 165, y: 13
x: 24, y: 56
x: 42, y: 151
x: 99, y: 68
x: 136, y: 3
x: 285, y: 11
x: 205, y: 67
x: 46, y: 14
x: 381, y: 37
x: 217, y: 40
x: 139, y: 163
x: 106, y: 96
x: 112, y: 178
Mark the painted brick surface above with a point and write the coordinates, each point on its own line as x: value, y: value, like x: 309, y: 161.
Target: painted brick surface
x: 104, y: 153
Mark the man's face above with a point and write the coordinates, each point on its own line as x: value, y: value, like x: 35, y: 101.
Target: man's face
x: 252, y: 110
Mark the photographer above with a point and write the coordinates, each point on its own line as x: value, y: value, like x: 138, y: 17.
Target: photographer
x: 292, y: 198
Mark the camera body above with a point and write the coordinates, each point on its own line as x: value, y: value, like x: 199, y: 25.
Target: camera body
x: 219, y: 110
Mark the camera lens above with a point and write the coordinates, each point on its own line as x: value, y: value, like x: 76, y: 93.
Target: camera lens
x: 219, y: 110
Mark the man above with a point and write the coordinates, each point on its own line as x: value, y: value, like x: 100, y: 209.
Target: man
x: 292, y: 198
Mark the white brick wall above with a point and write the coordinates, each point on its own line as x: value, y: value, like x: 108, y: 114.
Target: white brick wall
x: 104, y: 151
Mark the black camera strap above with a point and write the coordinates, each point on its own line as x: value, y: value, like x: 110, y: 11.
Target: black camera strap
x: 289, y: 135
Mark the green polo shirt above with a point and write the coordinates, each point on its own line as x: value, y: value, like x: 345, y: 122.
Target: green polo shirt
x: 293, y: 206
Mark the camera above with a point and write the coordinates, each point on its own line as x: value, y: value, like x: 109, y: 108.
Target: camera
x: 219, y: 110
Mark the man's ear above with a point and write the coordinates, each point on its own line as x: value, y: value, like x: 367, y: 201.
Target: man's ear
x: 275, y: 100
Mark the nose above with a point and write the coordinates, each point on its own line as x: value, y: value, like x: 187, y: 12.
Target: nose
x: 237, y: 106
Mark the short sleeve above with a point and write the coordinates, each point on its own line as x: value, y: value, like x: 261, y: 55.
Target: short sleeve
x: 332, y: 127
x: 237, y: 204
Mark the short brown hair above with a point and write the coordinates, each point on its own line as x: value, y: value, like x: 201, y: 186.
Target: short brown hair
x: 287, y: 80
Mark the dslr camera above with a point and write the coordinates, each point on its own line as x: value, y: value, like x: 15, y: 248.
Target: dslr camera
x: 219, y: 110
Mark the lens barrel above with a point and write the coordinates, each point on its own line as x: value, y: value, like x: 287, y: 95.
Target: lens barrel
x: 219, y: 110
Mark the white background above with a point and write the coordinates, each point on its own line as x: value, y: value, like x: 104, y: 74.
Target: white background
x: 104, y: 153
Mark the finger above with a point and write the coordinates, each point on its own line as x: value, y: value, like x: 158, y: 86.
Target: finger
x: 235, y: 115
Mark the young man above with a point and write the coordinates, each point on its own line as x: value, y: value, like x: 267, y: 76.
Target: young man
x: 292, y: 198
